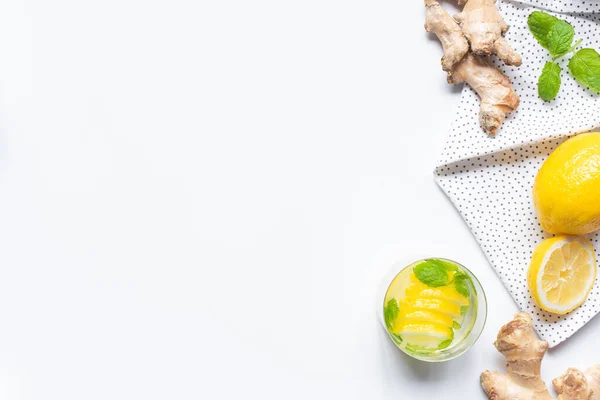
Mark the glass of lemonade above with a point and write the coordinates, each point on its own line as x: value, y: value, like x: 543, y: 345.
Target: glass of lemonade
x: 434, y: 309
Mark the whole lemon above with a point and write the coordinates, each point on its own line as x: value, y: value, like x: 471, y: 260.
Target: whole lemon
x: 566, y: 191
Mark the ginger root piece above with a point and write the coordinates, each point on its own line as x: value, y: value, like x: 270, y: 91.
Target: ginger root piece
x: 593, y: 379
x: 484, y: 27
x: 572, y: 385
x: 575, y: 385
x: 449, y: 33
x: 493, y: 87
x: 523, y: 352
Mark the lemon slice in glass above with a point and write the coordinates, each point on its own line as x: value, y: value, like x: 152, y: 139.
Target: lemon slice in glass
x: 423, y: 335
x: 562, y: 273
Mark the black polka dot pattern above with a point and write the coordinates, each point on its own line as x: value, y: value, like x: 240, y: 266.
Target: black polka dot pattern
x: 489, y: 180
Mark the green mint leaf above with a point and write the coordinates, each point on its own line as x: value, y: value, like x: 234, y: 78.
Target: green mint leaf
x: 390, y: 312
x: 549, y: 81
x: 416, y: 349
x: 396, y: 338
x: 448, y: 266
x: 560, y: 38
x: 432, y: 273
x: 462, y: 283
x: 585, y: 67
x: 540, y: 24
x: 463, y: 310
x: 455, y: 325
x: 447, y: 342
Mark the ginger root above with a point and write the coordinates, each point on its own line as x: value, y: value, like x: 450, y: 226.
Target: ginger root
x: 493, y: 87
x: 524, y: 352
x: 574, y: 384
x: 453, y: 41
x: 484, y: 27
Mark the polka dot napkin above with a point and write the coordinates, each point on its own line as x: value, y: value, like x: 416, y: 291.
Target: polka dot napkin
x: 489, y: 180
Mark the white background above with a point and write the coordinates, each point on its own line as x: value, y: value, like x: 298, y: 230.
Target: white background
x: 197, y: 199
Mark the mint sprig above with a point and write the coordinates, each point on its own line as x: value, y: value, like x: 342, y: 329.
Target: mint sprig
x: 463, y: 284
x: 446, y: 343
x: 397, y: 338
x: 557, y: 36
x: 433, y: 272
x: 390, y: 312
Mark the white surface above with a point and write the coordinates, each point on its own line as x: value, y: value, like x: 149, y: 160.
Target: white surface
x: 197, y: 198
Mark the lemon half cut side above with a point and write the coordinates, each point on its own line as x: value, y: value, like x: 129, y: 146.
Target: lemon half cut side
x: 562, y: 273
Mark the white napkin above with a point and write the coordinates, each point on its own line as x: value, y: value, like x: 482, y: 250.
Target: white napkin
x: 489, y: 180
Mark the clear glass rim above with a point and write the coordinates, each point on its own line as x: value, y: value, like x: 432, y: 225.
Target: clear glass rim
x: 476, y: 336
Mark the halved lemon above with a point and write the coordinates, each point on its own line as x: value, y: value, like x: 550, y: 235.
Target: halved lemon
x: 562, y: 273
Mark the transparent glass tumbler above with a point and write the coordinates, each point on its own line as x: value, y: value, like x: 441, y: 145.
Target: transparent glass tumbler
x: 460, y: 345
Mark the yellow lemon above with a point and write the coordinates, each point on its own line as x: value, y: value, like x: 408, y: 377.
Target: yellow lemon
x: 431, y: 304
x: 425, y: 335
x: 562, y: 273
x: 411, y: 313
x: 566, y: 191
x: 445, y: 293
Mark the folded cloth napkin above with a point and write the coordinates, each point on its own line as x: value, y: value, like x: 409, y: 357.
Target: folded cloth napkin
x: 489, y: 180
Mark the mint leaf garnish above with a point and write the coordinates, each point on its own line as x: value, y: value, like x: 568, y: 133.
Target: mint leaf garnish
x: 432, y: 273
x: 549, y: 81
x: 560, y: 37
x: 448, y: 266
x: 416, y: 349
x: 447, y: 342
x: 540, y: 24
x: 397, y: 338
x: 585, y: 67
x: 390, y: 312
x: 463, y: 310
x: 455, y: 325
x: 463, y: 284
